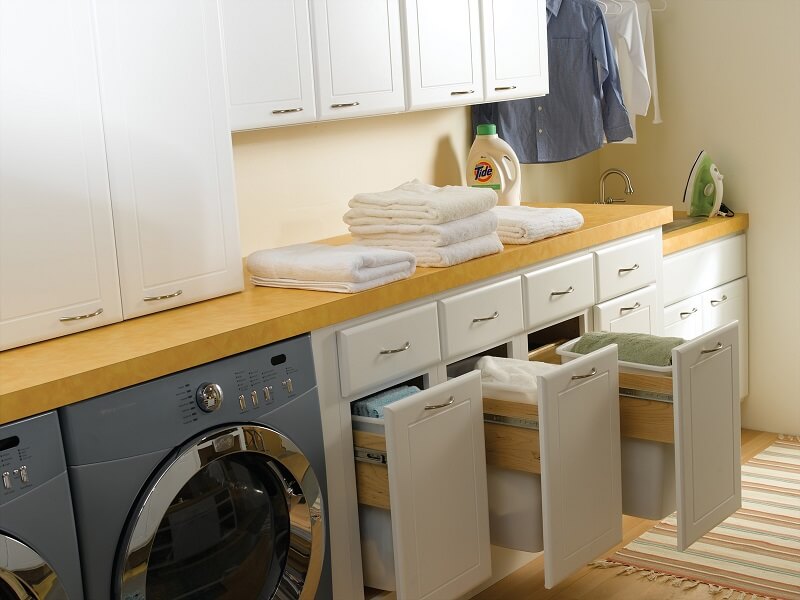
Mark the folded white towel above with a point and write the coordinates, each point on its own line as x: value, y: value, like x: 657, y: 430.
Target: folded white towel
x: 525, y: 224
x: 444, y: 234
x: 416, y: 203
x: 447, y: 256
x: 346, y: 268
x: 511, y: 379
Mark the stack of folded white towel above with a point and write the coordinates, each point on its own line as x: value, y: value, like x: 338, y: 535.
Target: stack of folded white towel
x: 326, y: 268
x: 440, y: 226
x: 526, y: 224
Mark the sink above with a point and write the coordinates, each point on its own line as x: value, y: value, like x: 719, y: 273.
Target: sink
x: 681, y: 223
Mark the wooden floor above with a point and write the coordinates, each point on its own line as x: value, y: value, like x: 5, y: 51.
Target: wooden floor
x: 527, y: 583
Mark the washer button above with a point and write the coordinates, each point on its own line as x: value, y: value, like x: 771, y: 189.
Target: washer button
x: 23, y: 474
x: 254, y: 398
x: 7, y: 480
x: 242, y: 403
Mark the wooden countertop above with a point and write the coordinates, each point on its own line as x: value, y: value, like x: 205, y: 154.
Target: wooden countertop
x: 58, y: 372
x: 711, y: 229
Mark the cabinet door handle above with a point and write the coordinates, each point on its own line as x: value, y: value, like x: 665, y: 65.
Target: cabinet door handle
x: 569, y: 290
x: 720, y: 301
x: 99, y: 311
x: 629, y: 269
x: 634, y: 307
x: 462, y: 93
x: 345, y: 105
x: 435, y: 406
x: 716, y: 348
x: 491, y: 318
x: 505, y: 88
x: 283, y: 111
x: 164, y: 297
x: 686, y: 315
x: 591, y: 373
x: 403, y: 348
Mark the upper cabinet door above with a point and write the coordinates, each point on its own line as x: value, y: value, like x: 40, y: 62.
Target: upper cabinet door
x: 57, y: 256
x: 707, y: 431
x: 169, y: 152
x: 443, y: 53
x: 358, y: 56
x: 580, y: 460
x: 269, y: 62
x: 514, y: 49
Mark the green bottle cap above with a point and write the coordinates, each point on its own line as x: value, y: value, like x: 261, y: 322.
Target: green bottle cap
x: 487, y: 129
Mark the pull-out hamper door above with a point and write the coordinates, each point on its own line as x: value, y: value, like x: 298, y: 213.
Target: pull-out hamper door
x: 707, y: 431
x: 580, y: 459
x: 437, y: 485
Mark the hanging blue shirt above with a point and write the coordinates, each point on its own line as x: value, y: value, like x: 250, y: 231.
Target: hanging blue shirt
x: 585, y: 99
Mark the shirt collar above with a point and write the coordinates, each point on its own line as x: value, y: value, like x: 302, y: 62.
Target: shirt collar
x: 554, y: 6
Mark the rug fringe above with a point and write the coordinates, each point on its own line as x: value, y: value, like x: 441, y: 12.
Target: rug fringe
x: 683, y: 583
x: 789, y: 438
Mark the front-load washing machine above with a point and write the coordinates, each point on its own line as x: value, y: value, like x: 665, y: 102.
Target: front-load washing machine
x: 204, y: 484
x: 38, y: 547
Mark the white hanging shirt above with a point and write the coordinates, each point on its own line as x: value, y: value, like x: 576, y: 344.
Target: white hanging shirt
x: 626, y: 31
x: 648, y: 39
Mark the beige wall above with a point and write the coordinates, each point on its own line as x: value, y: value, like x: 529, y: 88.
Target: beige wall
x: 730, y: 84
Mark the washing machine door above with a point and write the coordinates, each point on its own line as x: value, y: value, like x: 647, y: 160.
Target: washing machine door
x: 24, y: 575
x: 235, y: 514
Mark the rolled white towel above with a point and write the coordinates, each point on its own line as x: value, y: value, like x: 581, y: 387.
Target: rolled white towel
x: 511, y: 379
x: 526, y: 224
x: 447, y: 256
x: 416, y: 203
x: 444, y: 234
x: 346, y: 268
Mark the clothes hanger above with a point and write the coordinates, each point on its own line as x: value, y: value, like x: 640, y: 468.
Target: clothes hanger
x: 605, y: 6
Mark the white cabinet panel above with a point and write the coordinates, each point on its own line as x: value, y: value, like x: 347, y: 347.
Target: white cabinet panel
x: 707, y: 432
x: 514, y: 49
x: 684, y: 319
x: 636, y: 312
x: 169, y: 152
x: 558, y: 291
x: 57, y: 254
x: 269, y: 63
x: 580, y: 458
x: 626, y: 266
x: 722, y: 305
x: 358, y: 57
x: 443, y: 53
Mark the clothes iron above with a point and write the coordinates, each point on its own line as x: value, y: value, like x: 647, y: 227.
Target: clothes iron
x: 703, y: 191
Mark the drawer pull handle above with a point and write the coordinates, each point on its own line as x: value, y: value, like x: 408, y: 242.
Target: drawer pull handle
x: 720, y: 301
x: 505, y: 88
x: 462, y: 93
x: 405, y: 347
x: 716, y: 348
x: 481, y: 319
x: 629, y: 269
x: 591, y: 373
x: 634, y: 307
x: 569, y: 290
x: 345, y: 105
x: 437, y: 406
x: 164, y: 297
x: 686, y: 315
x: 284, y: 111
x: 99, y: 311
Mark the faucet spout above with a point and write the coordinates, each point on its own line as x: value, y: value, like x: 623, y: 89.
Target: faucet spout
x: 604, y: 176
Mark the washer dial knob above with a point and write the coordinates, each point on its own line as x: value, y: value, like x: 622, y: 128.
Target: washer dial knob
x: 209, y: 397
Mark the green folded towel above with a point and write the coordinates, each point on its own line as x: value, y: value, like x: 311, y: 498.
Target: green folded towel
x: 639, y: 348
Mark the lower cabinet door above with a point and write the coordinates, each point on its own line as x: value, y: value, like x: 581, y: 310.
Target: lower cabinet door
x: 580, y: 462
x: 722, y: 305
x: 707, y: 432
x: 684, y: 319
x: 632, y: 313
x: 437, y: 489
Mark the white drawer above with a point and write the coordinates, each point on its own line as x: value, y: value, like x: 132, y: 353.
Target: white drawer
x: 385, y: 349
x: 476, y: 319
x: 684, y: 319
x: 631, y: 313
x: 626, y: 266
x: 558, y: 291
x: 703, y: 267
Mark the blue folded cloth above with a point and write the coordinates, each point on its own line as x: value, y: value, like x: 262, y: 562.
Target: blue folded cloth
x: 372, y: 406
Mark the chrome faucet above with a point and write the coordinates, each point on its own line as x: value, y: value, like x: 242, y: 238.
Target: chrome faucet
x: 610, y: 200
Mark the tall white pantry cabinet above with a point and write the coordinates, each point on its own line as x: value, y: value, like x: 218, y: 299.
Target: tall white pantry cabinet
x: 116, y: 171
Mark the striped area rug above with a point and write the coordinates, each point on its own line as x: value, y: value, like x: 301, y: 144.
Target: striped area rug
x: 753, y: 554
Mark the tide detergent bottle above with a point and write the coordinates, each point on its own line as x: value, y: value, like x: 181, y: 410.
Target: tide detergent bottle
x: 492, y: 163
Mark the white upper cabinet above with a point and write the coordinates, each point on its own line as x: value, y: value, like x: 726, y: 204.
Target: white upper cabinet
x: 358, y: 52
x: 57, y: 258
x: 169, y: 152
x: 269, y: 62
x: 514, y: 49
x: 443, y: 53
